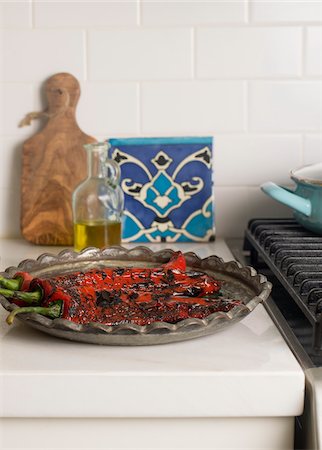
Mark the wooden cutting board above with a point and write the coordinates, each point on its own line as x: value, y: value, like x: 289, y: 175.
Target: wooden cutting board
x: 53, y: 164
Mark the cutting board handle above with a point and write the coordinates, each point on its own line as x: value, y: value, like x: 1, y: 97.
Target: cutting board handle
x: 62, y: 92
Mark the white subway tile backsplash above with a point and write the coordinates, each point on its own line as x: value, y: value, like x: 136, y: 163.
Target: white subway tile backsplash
x: 108, y: 109
x: 286, y: 10
x: 248, y: 52
x: 285, y: 106
x: 235, y: 206
x: 10, y: 212
x: 231, y: 211
x: 140, y: 54
x: 85, y: 13
x: 255, y: 158
x: 15, y: 14
x: 313, y: 54
x: 16, y: 101
x: 260, y: 205
x: 192, y: 107
x: 161, y: 12
x: 248, y: 72
x: 37, y: 54
x: 10, y: 149
x: 313, y: 149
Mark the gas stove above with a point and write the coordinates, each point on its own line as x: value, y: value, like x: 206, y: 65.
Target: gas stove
x: 291, y: 258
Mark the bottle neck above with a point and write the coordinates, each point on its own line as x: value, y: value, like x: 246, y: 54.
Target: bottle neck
x: 96, y: 158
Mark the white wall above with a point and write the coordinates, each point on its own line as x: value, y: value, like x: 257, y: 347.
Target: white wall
x: 247, y: 72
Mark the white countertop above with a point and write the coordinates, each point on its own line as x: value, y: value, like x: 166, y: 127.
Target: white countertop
x: 245, y: 370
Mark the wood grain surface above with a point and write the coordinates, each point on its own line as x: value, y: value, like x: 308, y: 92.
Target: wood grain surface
x: 53, y: 164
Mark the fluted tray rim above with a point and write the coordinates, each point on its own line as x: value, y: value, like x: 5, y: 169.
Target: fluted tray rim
x: 132, y: 334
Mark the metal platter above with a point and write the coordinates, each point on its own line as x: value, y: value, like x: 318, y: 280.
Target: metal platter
x: 238, y: 283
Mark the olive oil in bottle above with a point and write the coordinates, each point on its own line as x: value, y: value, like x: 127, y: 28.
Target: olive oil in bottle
x: 98, y: 202
x: 96, y: 234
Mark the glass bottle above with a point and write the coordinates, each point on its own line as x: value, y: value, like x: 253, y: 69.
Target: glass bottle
x: 98, y: 201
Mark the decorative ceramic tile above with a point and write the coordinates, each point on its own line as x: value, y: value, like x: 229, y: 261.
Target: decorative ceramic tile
x: 167, y: 184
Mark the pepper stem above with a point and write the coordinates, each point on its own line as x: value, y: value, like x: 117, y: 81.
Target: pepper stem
x: 53, y: 311
x: 11, y: 283
x: 28, y: 297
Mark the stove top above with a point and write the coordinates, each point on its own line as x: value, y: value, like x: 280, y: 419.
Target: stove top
x: 291, y: 258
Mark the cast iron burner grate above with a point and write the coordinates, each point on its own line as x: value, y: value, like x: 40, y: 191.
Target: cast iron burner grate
x: 291, y: 257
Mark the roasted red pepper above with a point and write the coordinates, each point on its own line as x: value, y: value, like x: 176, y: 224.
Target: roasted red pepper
x: 136, y: 295
x: 117, y: 308
x: 117, y: 278
x: 22, y: 280
x: 170, y: 278
x: 85, y: 305
x: 157, y: 281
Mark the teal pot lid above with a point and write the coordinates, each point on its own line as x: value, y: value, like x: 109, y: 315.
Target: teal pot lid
x: 308, y: 174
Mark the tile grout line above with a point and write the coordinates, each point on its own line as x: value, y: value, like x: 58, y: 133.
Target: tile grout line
x: 139, y: 119
x: 280, y: 79
x: 86, y: 55
x: 139, y: 13
x: 193, y: 54
x: 33, y: 85
x: 303, y: 71
x: 247, y: 12
x: 303, y: 50
x: 303, y: 149
x: 32, y: 14
x: 246, y: 106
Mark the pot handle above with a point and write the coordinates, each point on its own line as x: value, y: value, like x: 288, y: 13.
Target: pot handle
x: 288, y: 198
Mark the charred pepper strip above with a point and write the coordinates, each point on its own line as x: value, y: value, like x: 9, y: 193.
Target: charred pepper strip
x: 113, y: 308
x: 117, y: 309
x: 172, y: 310
x: 168, y: 277
x: 79, y: 302
x: 58, y: 288
x: 123, y: 277
x: 154, y: 280
x: 21, y: 280
x: 84, y: 305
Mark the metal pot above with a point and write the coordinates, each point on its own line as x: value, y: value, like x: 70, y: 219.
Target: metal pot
x: 305, y: 200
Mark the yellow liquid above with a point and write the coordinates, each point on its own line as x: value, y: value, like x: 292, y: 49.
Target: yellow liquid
x: 96, y: 234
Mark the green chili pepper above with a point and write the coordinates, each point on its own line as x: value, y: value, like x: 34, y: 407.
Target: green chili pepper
x: 28, y: 297
x: 11, y: 283
x: 53, y: 311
